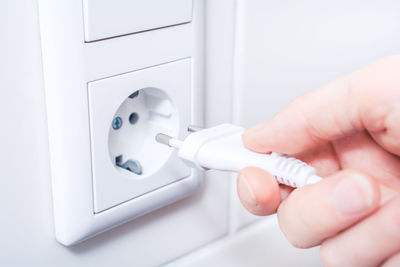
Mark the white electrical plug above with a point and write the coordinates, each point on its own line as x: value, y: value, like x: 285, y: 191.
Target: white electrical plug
x: 221, y: 148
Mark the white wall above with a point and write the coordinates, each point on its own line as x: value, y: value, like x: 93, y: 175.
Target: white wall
x: 281, y: 49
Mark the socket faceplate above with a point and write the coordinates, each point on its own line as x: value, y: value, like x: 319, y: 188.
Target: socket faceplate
x: 163, y: 105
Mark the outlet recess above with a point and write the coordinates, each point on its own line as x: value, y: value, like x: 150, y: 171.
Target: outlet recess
x: 159, y: 99
x: 142, y: 115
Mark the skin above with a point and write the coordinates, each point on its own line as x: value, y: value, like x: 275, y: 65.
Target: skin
x: 349, y: 130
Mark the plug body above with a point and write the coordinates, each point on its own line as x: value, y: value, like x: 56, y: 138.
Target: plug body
x: 221, y: 148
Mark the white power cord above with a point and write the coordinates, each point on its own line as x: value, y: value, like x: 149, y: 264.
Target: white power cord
x: 221, y: 148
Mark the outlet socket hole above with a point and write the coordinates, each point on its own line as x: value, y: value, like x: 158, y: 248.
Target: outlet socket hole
x: 133, y: 118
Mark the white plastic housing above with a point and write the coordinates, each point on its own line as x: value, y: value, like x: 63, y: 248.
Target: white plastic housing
x: 105, y: 19
x: 86, y: 85
x: 221, y: 148
x: 163, y: 105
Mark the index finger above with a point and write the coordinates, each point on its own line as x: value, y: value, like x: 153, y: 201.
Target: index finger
x: 360, y: 100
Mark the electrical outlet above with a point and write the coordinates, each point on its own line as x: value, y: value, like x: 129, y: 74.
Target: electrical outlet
x: 107, y: 99
x: 126, y: 112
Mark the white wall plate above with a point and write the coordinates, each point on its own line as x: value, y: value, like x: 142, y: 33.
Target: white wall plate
x: 87, y: 86
x: 105, y: 19
x: 161, y: 103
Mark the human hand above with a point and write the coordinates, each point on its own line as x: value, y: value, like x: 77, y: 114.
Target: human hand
x: 349, y: 130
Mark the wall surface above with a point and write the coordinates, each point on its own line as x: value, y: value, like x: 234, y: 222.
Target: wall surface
x: 260, y: 54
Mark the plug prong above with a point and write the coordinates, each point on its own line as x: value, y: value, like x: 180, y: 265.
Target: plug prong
x: 168, y: 140
x: 194, y: 128
x: 163, y: 138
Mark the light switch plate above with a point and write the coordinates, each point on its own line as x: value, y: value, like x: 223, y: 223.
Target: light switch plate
x: 84, y: 84
x: 107, y: 19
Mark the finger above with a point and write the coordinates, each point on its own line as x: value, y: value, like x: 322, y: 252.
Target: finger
x: 378, y: 92
x: 284, y: 191
x: 340, y: 108
x: 323, y: 158
x: 369, y: 242
x: 315, y: 212
x: 361, y: 152
x: 258, y: 191
x: 393, y: 261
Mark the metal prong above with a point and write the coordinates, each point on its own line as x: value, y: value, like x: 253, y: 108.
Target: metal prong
x: 194, y: 128
x: 163, y: 138
x: 168, y: 140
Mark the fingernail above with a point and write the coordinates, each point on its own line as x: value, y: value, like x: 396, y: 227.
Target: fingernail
x: 245, y: 192
x: 353, y: 195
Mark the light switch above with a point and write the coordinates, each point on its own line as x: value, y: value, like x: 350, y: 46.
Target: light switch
x: 105, y: 19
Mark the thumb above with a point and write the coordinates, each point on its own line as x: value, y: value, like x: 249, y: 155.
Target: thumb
x: 258, y: 191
